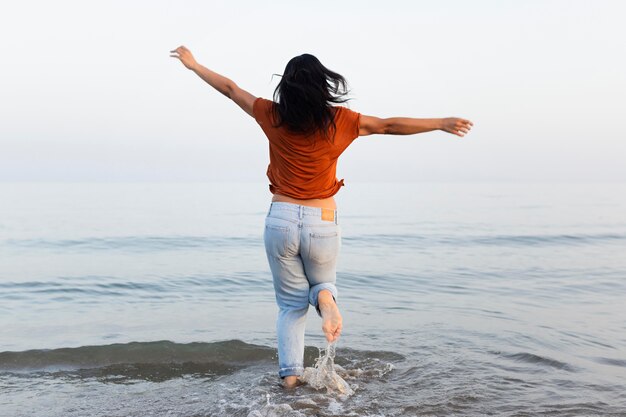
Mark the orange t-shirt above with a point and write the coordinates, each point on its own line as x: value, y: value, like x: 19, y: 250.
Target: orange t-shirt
x: 300, y: 167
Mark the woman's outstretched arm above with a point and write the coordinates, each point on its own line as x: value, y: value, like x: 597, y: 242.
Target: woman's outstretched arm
x: 370, y: 125
x: 222, y: 84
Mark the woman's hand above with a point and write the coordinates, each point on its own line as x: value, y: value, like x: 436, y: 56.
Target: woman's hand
x: 456, y: 126
x: 185, y: 57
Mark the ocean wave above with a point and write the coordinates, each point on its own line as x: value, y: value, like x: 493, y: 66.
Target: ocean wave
x: 137, y: 243
x: 101, y: 288
x: 164, y: 359
x: 168, y: 243
x: 216, y: 357
x: 531, y: 358
x: 416, y: 240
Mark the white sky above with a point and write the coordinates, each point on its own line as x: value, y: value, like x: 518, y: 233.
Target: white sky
x: 88, y: 91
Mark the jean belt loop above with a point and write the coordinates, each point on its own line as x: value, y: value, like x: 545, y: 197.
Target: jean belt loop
x: 300, y: 212
x: 336, y: 219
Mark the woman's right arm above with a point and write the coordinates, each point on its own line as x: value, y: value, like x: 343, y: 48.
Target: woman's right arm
x: 370, y: 125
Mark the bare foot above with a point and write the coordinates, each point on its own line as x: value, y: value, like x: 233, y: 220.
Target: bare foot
x: 331, y: 318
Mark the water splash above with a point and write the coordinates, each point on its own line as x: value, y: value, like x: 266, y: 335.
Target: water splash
x: 323, y: 373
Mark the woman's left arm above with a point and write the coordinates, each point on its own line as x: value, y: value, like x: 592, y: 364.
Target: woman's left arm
x: 222, y: 84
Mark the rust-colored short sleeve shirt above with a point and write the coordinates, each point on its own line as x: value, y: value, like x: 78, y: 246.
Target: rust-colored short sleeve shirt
x: 304, y: 167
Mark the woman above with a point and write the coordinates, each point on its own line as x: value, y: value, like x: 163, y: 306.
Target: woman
x: 302, y: 236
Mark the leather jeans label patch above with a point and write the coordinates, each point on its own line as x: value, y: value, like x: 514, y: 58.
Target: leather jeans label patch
x: 328, y: 215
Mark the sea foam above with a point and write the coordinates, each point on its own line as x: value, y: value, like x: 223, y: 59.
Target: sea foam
x: 323, y: 374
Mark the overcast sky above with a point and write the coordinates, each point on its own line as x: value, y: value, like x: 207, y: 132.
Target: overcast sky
x: 88, y: 91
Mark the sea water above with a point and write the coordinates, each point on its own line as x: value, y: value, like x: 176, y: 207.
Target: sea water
x: 467, y: 299
x: 323, y: 374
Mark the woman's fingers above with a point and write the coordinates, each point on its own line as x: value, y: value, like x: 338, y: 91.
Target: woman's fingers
x: 184, y: 55
x: 459, y: 127
x: 180, y: 50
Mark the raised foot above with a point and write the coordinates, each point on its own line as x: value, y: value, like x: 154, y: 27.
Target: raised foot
x: 331, y: 318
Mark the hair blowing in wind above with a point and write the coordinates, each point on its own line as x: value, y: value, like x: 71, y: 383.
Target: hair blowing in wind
x: 305, y: 95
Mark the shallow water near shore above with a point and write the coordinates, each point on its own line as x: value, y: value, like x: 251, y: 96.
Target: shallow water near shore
x: 458, y: 299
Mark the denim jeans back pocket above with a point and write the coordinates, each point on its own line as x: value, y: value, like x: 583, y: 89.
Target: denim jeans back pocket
x: 278, y: 238
x: 324, y: 246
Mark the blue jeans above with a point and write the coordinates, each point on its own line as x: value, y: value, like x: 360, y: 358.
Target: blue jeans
x: 302, y: 244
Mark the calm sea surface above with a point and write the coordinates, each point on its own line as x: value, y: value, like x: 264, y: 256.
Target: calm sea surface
x: 458, y: 299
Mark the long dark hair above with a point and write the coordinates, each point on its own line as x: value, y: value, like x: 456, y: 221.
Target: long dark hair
x: 305, y: 95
